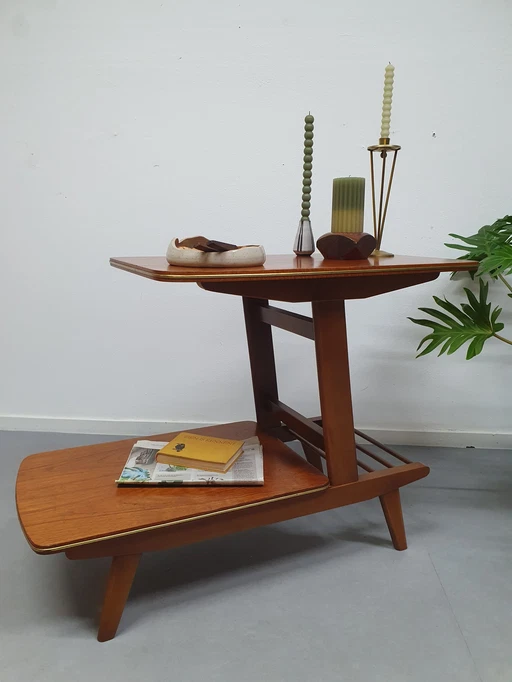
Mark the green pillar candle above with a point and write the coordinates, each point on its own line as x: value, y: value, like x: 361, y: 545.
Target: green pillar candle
x: 347, y: 205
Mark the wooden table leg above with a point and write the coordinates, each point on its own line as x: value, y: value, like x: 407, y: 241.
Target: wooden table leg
x: 334, y: 385
x: 263, y: 364
x: 120, y: 578
x: 336, y: 404
x: 392, y: 508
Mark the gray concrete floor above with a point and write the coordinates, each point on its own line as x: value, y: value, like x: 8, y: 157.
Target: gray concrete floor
x: 322, y: 598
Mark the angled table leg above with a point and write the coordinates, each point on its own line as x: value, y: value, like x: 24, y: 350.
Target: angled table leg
x: 336, y: 405
x: 334, y: 386
x: 263, y: 364
x: 120, y: 578
x: 392, y: 508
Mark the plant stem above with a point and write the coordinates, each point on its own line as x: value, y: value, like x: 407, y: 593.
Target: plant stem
x: 502, y: 338
x: 507, y: 284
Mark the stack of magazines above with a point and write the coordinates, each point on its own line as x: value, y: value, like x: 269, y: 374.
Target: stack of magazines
x: 143, y: 468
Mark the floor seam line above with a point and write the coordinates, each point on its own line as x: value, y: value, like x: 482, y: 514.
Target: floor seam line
x: 456, y: 619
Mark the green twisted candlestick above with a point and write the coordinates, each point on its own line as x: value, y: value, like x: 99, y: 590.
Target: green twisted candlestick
x: 304, y: 242
x: 308, y: 165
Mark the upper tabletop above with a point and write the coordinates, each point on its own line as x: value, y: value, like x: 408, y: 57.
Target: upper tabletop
x: 289, y: 266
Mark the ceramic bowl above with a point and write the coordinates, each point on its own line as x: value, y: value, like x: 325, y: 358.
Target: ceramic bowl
x: 242, y: 257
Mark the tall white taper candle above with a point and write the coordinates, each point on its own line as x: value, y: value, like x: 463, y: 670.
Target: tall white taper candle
x: 386, y: 102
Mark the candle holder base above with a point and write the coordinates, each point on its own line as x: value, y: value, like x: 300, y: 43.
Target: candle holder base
x: 346, y: 245
x: 304, y: 244
x: 378, y: 253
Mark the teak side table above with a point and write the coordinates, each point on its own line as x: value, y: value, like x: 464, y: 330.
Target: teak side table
x: 68, y: 502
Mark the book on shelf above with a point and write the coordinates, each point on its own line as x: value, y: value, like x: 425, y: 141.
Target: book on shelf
x: 201, y: 452
x: 143, y: 469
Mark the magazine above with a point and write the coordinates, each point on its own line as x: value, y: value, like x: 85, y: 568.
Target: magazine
x: 142, y: 468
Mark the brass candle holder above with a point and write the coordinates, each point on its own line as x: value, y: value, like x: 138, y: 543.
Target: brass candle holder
x: 379, y: 219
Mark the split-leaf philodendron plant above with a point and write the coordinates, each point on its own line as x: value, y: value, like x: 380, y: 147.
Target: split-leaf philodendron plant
x: 475, y: 321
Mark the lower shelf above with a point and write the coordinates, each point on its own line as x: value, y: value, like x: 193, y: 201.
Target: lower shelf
x: 68, y: 497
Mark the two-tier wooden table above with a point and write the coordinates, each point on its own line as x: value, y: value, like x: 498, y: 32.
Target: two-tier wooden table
x: 68, y: 502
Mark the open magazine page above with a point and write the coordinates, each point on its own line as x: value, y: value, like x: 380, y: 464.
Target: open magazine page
x: 142, y: 468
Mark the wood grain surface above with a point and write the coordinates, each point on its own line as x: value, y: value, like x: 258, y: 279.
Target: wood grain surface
x: 289, y: 266
x: 371, y: 485
x: 69, y: 496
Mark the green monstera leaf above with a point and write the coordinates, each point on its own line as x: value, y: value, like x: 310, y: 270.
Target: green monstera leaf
x: 499, y: 262
x: 491, y: 246
x: 452, y: 327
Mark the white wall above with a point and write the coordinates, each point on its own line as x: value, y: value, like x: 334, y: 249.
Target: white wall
x: 125, y: 123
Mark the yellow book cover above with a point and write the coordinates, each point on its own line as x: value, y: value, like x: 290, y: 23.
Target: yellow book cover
x: 201, y: 452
